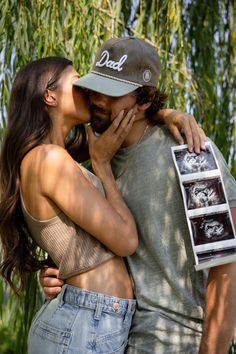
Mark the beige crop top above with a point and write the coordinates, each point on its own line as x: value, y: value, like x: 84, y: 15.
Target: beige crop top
x: 71, y: 248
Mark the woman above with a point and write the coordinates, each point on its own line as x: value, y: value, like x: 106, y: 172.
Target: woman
x: 79, y: 220
x: 83, y: 224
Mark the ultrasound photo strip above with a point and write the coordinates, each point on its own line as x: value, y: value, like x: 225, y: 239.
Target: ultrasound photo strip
x: 206, y: 207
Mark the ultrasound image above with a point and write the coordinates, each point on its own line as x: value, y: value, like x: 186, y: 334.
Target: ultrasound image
x: 211, y: 228
x: 204, y: 193
x: 190, y: 162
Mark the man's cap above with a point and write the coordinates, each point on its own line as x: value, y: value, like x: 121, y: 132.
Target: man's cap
x: 121, y: 66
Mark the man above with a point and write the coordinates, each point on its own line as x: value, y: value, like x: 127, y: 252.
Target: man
x: 179, y: 309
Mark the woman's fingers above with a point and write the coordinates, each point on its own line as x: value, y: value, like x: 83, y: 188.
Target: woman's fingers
x: 120, y: 127
x: 120, y: 121
x: 104, y: 147
x: 125, y: 126
x: 91, y: 136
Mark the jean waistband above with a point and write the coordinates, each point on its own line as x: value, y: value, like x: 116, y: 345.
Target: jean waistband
x: 89, y: 299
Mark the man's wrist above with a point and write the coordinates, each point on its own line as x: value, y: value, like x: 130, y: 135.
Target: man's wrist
x: 162, y: 113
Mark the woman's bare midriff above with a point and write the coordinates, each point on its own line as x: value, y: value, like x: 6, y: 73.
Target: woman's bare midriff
x: 110, y: 278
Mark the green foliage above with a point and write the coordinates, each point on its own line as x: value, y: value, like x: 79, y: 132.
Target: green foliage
x: 7, y: 340
x: 16, y: 315
x: 196, y: 41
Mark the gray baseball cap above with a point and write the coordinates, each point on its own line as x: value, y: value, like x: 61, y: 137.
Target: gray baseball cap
x: 121, y: 66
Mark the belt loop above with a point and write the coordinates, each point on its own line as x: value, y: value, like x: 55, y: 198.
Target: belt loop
x: 128, y: 311
x: 98, y: 310
x: 61, y: 295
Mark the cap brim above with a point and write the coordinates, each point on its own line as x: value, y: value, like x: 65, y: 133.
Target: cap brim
x: 105, y: 85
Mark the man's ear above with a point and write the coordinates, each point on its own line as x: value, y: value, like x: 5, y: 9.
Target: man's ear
x: 143, y: 107
x: 50, y: 98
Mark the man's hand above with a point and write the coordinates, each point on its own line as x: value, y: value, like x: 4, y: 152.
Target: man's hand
x: 51, y: 285
x: 179, y: 122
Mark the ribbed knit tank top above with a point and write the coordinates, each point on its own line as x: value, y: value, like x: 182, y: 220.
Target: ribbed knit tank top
x: 72, y: 249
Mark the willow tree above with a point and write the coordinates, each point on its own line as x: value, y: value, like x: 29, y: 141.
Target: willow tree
x: 196, y: 41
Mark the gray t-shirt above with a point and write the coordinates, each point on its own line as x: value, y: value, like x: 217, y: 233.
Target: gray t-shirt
x: 169, y: 291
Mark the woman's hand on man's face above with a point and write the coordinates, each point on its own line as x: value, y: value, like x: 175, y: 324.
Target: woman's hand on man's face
x: 102, y: 148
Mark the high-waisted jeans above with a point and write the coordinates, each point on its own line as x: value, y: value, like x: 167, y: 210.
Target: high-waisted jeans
x: 81, y: 322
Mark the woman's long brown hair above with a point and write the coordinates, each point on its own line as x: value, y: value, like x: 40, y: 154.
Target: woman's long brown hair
x: 28, y: 125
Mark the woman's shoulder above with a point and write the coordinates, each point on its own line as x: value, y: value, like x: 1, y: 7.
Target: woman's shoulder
x: 49, y: 151
x: 48, y: 154
x: 45, y: 160
x: 45, y: 166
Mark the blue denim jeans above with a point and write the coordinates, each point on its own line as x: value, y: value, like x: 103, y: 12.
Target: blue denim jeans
x: 81, y: 322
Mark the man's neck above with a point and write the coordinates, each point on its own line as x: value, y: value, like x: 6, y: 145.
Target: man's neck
x: 137, y: 132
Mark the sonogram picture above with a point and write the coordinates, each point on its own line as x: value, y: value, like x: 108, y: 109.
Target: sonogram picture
x: 206, y: 207
x: 204, y: 193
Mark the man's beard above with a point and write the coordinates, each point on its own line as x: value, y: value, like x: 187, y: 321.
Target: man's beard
x: 100, y: 123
